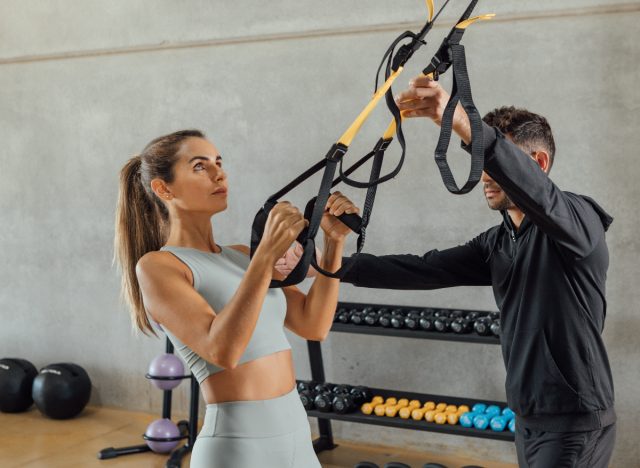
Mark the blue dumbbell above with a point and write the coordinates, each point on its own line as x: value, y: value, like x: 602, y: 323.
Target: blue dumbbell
x: 492, y: 411
x: 508, y: 413
x: 498, y: 423
x: 479, y: 408
x: 512, y: 425
x: 466, y: 419
x: 481, y: 421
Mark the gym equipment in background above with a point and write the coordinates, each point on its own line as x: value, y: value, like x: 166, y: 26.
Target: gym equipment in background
x: 16, y: 382
x: 162, y: 435
x: 61, y: 391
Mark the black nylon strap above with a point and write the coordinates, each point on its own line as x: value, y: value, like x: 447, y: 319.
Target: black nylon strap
x: 461, y: 92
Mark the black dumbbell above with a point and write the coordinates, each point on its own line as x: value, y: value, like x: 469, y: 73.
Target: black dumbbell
x: 323, y: 388
x: 427, y: 312
x: 341, y: 389
x: 343, y: 315
x: 365, y: 464
x: 396, y: 465
x: 361, y: 395
x: 472, y: 315
x: 494, y: 315
x: 482, y: 326
x: 426, y: 323
x: 412, y: 320
x: 442, y: 313
x: 307, y: 398
x: 322, y: 402
x: 357, y: 317
x: 495, y: 327
x: 385, y: 319
x: 372, y: 317
x: 397, y: 318
x: 442, y: 324
x: 433, y: 465
x: 461, y: 325
x: 343, y: 403
x: 340, y: 310
x: 456, y: 313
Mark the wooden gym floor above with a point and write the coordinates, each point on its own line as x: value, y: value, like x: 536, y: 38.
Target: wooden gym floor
x: 32, y: 441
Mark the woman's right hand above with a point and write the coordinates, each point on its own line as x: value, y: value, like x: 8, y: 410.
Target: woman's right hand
x: 284, y: 223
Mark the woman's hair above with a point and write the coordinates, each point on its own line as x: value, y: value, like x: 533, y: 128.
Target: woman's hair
x: 142, y: 220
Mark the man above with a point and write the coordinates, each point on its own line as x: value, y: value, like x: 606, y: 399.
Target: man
x: 547, y: 263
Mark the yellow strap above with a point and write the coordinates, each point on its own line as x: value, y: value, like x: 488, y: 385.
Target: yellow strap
x: 430, y: 7
x: 391, y: 129
x: 470, y: 21
x: 353, y: 130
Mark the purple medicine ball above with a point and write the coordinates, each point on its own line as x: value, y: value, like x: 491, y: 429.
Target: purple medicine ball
x: 162, y: 429
x: 166, y: 365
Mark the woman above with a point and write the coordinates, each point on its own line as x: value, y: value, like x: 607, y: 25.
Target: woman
x: 215, y: 304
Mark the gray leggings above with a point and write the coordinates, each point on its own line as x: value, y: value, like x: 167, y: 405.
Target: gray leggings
x: 270, y: 433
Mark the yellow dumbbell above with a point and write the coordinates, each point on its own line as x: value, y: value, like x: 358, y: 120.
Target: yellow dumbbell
x: 429, y: 405
x: 463, y: 409
x: 415, y: 403
x: 452, y: 418
x: 440, y: 407
x: 430, y: 415
x: 405, y: 413
x: 367, y: 408
x: 391, y: 401
x: 451, y: 409
x: 379, y: 410
x: 392, y: 410
x: 440, y: 418
x: 418, y: 413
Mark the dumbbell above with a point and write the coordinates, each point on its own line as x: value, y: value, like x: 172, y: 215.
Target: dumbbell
x: 343, y: 403
x: 443, y: 324
x: 473, y: 315
x: 427, y: 312
x: 372, y: 317
x: 397, y: 318
x: 367, y: 408
x: 462, y: 325
x: 454, y: 314
x: 433, y: 465
x: 307, y: 398
x: 385, y: 318
x: 412, y: 320
x: 357, y: 317
x: 405, y: 413
x: 427, y: 323
x: 360, y: 394
x: 343, y: 315
x: 442, y: 313
x: 494, y: 315
x: 495, y: 327
x: 365, y: 464
x: 396, y: 465
x: 482, y: 326
x: 392, y: 410
x: 380, y: 410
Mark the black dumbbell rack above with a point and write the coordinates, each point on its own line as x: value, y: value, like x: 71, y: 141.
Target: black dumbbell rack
x: 325, y: 440
x: 188, y: 429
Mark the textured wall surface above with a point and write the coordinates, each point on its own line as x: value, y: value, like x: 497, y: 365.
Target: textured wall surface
x: 84, y: 85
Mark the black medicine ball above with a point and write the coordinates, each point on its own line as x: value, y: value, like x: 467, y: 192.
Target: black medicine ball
x: 16, y: 380
x: 61, y: 391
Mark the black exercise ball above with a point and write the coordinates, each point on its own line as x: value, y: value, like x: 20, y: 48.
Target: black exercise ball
x: 16, y: 380
x: 61, y: 391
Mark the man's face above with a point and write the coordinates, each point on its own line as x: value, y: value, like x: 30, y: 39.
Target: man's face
x: 496, y: 198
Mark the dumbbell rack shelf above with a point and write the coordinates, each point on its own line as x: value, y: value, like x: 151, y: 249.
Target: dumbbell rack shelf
x: 325, y: 441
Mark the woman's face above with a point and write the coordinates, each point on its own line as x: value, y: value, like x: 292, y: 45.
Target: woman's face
x: 200, y: 183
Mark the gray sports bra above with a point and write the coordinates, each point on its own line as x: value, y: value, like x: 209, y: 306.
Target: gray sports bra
x: 217, y: 277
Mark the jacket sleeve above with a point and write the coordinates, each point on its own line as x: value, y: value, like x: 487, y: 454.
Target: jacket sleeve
x: 567, y: 218
x: 463, y: 265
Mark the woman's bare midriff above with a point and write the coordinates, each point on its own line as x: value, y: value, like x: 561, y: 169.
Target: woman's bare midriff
x: 261, y: 379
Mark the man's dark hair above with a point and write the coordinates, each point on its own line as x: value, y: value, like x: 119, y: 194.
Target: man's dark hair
x: 528, y: 130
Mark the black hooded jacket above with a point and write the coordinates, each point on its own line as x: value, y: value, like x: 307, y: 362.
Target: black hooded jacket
x: 548, y: 279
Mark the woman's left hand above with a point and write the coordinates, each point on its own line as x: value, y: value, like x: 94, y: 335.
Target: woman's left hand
x: 337, y: 204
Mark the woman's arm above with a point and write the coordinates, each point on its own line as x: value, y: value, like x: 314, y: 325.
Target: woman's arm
x: 172, y: 301
x: 311, y: 316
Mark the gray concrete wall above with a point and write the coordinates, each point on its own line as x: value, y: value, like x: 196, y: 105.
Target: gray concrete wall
x: 85, y: 84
